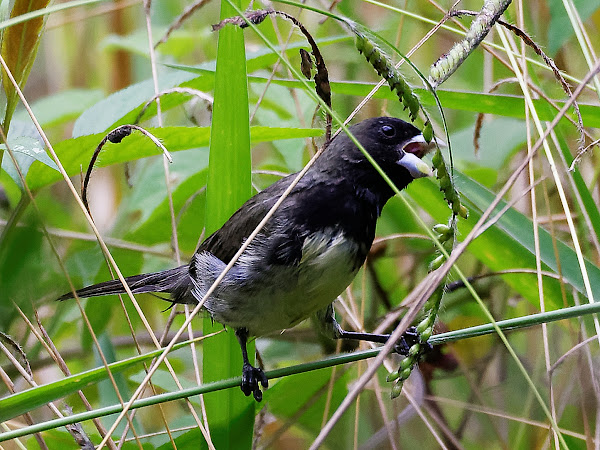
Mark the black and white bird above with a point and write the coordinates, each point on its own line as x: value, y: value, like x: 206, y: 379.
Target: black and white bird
x: 308, y: 252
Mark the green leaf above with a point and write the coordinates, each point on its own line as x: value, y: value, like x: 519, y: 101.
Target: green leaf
x: 290, y: 395
x: 560, y: 28
x: 123, y: 106
x: 228, y: 187
x: 508, y: 244
x: 162, y: 379
x: 26, y: 150
x: 188, y: 207
x: 178, y: 44
x: 520, y: 228
x: 61, y: 107
x: 499, y: 139
x: 77, y: 152
x: 20, y: 257
x: 496, y: 104
x: 143, y: 213
x: 106, y: 389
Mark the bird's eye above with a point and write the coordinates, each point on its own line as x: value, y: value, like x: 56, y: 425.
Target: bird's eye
x: 388, y: 130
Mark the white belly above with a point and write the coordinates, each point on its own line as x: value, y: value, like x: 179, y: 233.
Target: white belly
x: 265, y: 300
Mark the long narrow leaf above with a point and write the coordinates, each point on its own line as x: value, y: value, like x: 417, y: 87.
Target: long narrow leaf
x: 509, y: 244
x: 228, y: 186
x: 76, y: 152
x: 19, y: 47
x: 25, y: 401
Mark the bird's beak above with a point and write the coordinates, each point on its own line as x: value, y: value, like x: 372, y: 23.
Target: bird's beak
x: 414, y: 150
x: 419, y: 147
x: 415, y: 166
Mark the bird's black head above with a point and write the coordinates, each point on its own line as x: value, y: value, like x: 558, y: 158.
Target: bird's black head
x: 396, y: 146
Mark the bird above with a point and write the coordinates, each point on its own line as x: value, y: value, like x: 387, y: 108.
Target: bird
x: 306, y: 254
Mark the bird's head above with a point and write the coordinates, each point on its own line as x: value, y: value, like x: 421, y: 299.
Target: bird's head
x: 396, y: 146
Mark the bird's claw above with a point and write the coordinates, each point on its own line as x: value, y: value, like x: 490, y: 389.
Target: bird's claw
x: 408, y: 339
x: 252, y: 379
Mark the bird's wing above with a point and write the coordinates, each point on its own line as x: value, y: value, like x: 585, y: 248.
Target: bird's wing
x: 227, y: 240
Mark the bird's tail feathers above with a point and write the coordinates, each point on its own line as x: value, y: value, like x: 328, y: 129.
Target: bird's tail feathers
x: 172, y: 281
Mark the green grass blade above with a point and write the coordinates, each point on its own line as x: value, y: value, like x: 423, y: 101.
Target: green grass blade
x: 230, y: 414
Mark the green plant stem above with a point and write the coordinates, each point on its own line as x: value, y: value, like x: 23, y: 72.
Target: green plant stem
x: 517, y: 323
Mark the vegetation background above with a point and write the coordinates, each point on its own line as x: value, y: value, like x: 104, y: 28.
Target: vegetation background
x: 88, y: 66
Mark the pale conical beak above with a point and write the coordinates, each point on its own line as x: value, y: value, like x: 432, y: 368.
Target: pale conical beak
x: 414, y: 150
x: 415, y: 166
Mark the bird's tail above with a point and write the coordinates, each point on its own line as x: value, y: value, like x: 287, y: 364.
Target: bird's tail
x: 173, y: 281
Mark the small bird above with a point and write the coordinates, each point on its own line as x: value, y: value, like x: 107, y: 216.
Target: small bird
x: 308, y: 252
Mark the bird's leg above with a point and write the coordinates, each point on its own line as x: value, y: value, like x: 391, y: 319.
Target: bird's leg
x: 332, y: 328
x: 251, y: 376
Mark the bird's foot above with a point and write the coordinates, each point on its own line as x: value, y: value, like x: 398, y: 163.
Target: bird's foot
x: 408, y: 339
x: 252, y: 378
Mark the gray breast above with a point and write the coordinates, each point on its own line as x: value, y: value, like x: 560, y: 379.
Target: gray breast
x: 269, y: 297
